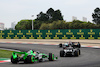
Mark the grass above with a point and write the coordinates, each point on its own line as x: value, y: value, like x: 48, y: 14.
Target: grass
x: 5, y: 53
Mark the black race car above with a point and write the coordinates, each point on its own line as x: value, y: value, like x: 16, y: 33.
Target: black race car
x: 73, y: 44
x: 70, y: 49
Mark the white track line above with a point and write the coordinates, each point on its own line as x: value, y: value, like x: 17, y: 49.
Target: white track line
x: 49, y: 44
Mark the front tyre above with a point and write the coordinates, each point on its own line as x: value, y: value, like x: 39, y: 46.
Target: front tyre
x: 40, y: 60
x: 51, y: 57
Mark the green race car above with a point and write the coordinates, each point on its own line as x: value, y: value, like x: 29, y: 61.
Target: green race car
x: 31, y: 57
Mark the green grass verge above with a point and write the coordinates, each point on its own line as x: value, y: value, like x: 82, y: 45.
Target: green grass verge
x: 5, y: 53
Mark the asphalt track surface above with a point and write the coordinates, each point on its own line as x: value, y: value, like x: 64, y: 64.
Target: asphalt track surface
x: 89, y: 57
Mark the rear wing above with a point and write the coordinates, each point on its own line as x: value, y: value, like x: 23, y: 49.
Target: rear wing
x: 72, y: 42
x: 19, y: 53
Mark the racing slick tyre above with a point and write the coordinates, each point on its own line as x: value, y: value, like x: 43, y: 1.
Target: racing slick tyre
x: 62, y: 53
x: 60, y: 45
x: 79, y: 45
x: 14, y: 61
x: 79, y: 52
x: 29, y: 59
x: 76, y: 53
x: 51, y: 57
x: 40, y: 60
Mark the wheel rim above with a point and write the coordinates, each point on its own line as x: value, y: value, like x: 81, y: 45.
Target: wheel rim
x: 53, y: 57
x: 32, y: 59
x: 78, y: 53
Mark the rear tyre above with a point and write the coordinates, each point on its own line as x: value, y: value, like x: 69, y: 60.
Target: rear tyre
x: 14, y: 61
x: 79, y: 45
x: 29, y: 59
x: 60, y: 45
x: 62, y: 53
x: 79, y: 52
x: 51, y: 57
x: 76, y: 53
